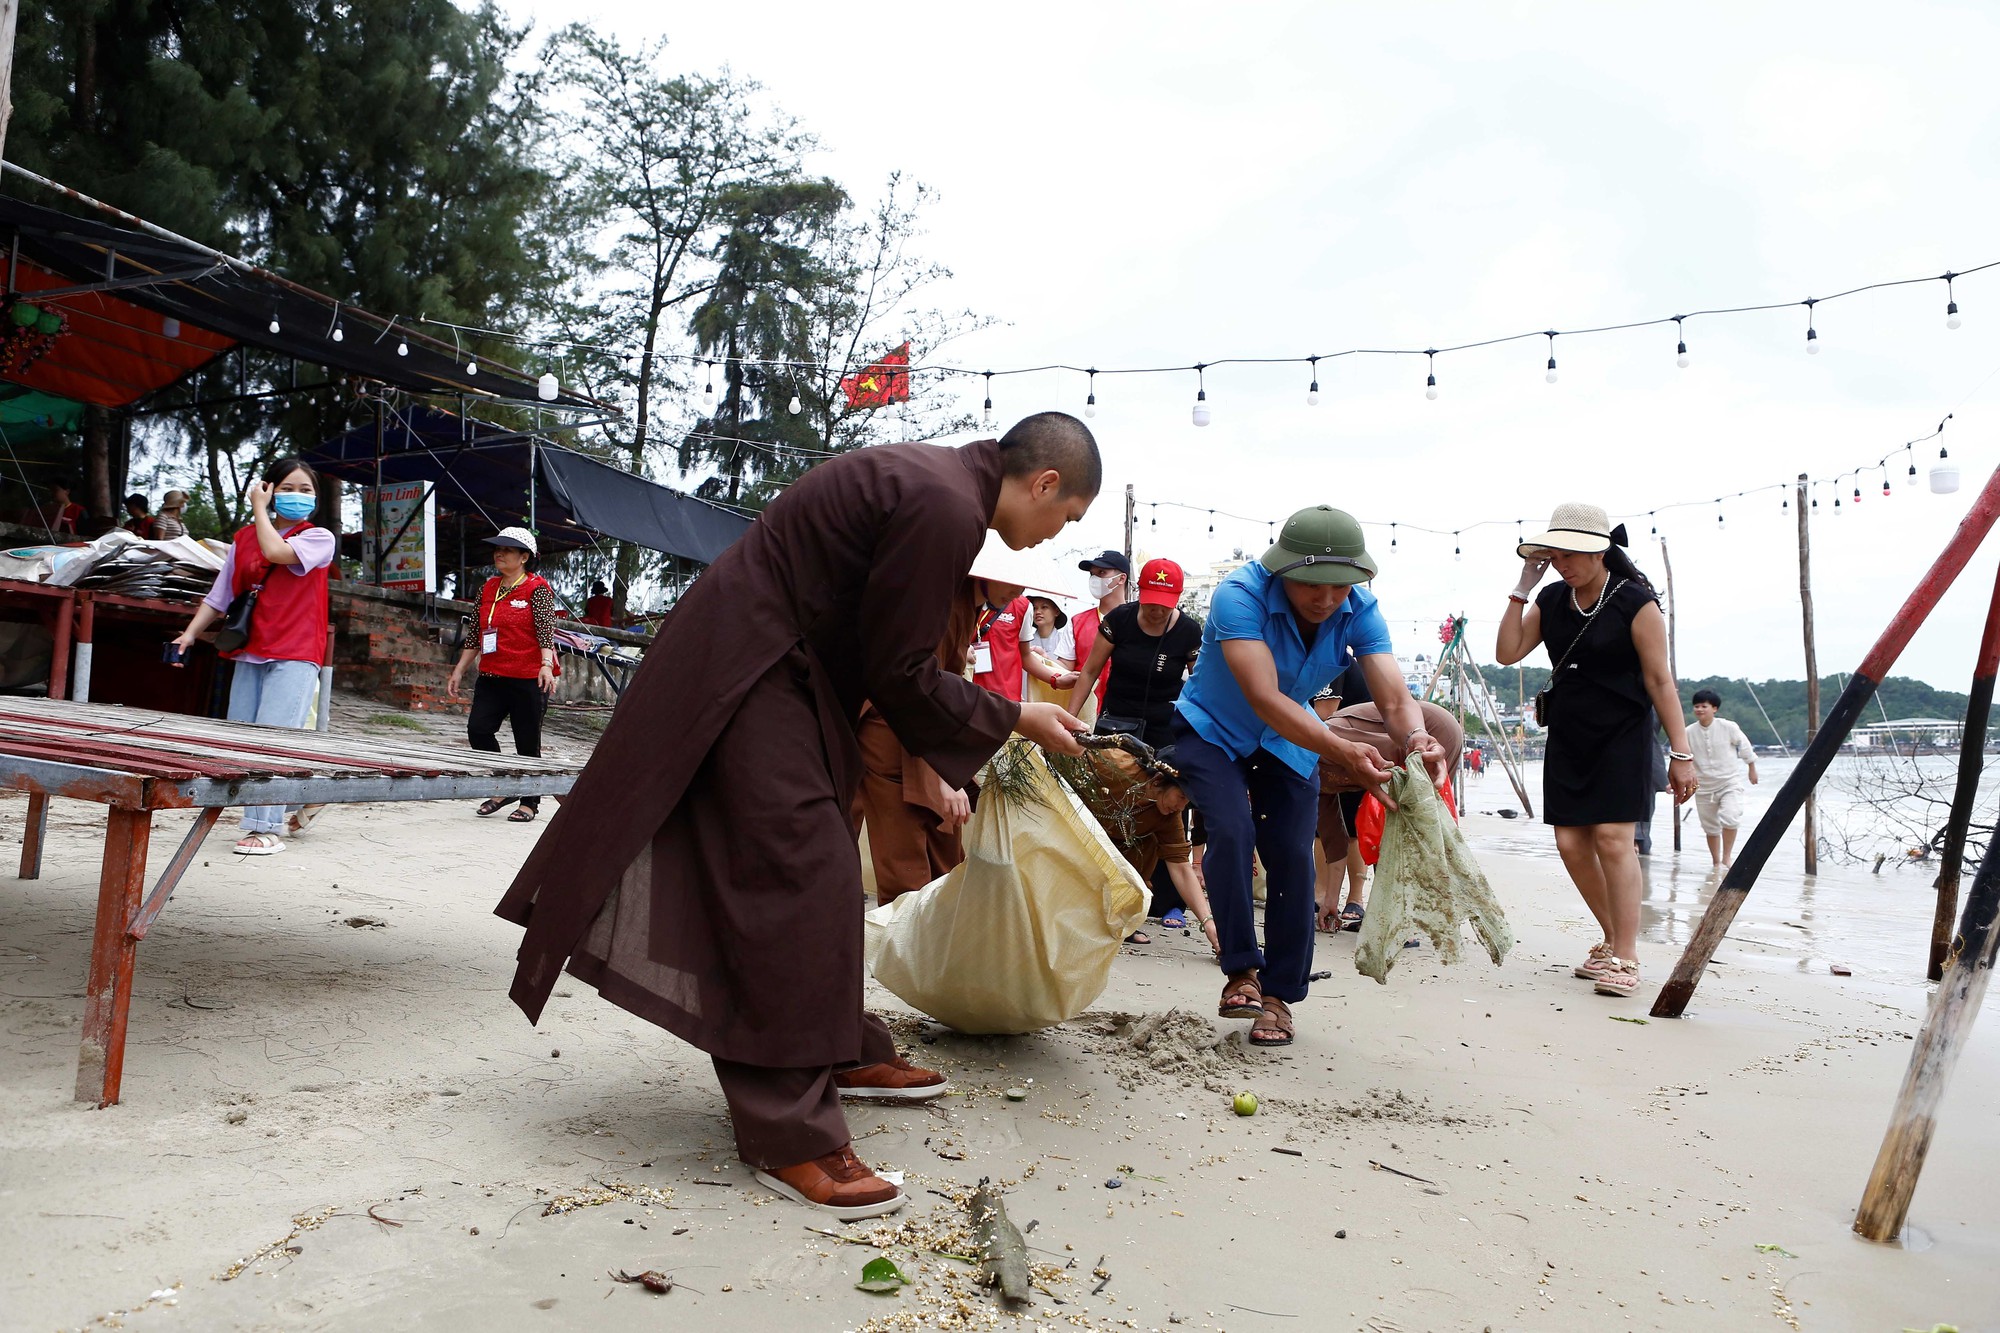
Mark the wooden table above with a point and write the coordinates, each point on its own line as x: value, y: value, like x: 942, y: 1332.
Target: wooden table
x: 137, y: 761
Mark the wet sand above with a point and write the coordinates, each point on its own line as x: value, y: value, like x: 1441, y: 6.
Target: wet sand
x: 326, y: 1032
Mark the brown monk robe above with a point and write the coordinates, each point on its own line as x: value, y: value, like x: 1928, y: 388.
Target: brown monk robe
x: 913, y: 816
x: 704, y: 873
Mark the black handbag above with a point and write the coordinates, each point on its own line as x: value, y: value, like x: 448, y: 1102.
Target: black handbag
x: 1542, y: 700
x: 235, y: 628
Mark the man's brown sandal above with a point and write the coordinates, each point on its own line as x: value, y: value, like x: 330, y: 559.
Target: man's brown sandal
x: 1242, y: 997
x: 1274, y: 1026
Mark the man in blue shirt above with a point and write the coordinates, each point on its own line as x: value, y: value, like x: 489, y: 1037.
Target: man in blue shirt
x: 1249, y: 745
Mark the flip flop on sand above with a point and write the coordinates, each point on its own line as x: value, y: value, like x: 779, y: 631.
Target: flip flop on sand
x: 302, y: 818
x: 259, y: 844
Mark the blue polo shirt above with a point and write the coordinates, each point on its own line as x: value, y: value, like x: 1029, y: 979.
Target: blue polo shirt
x: 1251, y: 604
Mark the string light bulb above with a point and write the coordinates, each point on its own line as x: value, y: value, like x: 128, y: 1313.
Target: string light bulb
x: 1680, y: 343
x: 1951, y: 319
x: 547, y: 386
x: 1392, y: 539
x: 1456, y: 553
x: 273, y: 327
x: 986, y: 408
x: 1812, y: 334
x: 402, y: 347
x: 339, y: 333
x: 1201, y: 413
x: 1312, y: 390
x: 1431, y: 380
x: 795, y: 406
x: 471, y: 368
x: 1944, y: 472
x: 1090, y: 398
x: 708, y: 392
x: 1551, y: 376
x: 1156, y: 516
x: 1211, y: 522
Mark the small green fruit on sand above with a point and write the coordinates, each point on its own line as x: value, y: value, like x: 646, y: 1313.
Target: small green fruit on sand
x: 1246, y: 1103
x: 1017, y: 1094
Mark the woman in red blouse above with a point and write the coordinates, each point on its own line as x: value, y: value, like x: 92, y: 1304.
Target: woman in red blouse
x: 515, y: 646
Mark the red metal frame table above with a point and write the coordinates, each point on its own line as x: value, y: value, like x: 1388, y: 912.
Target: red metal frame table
x: 138, y: 761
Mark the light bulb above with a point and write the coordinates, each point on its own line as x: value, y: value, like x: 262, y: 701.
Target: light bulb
x: 1431, y: 386
x: 339, y: 334
x: 1090, y: 406
x: 1812, y: 342
x: 274, y: 324
x: 1951, y: 319
x: 402, y: 348
x: 171, y: 327
x: 986, y: 415
x: 472, y: 367
x: 1681, y: 356
x: 545, y: 387
x: 1312, y: 395
x: 708, y: 401
x: 795, y: 406
x: 1201, y: 408
x: 1457, y: 554
x: 1551, y: 376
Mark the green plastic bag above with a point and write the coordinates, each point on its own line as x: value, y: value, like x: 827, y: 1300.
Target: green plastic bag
x: 1425, y: 880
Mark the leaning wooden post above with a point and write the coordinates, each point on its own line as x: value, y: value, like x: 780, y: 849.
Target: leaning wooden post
x: 1885, y: 1204
x: 1971, y: 761
x: 1812, y: 765
x: 1812, y: 673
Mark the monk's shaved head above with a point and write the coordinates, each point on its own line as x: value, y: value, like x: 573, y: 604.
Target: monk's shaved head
x: 1058, y: 441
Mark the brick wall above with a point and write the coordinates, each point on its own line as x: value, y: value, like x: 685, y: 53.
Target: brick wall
x: 382, y: 649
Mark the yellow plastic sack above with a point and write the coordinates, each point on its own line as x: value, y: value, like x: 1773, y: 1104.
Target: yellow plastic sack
x: 1022, y: 935
x: 1426, y: 880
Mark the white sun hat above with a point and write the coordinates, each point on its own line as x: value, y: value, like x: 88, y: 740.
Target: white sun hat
x: 1575, y: 527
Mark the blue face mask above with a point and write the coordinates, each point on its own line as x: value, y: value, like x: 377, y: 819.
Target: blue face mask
x: 294, y: 506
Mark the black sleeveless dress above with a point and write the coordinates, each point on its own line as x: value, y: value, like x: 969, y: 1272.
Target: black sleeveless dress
x: 1598, y: 765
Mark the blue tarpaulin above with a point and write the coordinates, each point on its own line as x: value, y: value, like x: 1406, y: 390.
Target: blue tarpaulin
x: 484, y: 470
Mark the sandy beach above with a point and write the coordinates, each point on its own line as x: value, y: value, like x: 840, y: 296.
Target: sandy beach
x: 333, y: 1119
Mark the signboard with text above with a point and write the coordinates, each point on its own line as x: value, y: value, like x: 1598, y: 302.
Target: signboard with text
x: 391, y: 515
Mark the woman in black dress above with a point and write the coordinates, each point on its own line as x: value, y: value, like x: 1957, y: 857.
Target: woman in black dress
x: 1607, y: 642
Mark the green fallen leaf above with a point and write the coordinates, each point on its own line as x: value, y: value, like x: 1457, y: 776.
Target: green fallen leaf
x: 1776, y: 1249
x: 1620, y: 1018
x: 881, y: 1276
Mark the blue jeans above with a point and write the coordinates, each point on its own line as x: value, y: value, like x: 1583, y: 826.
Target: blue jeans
x: 1256, y: 803
x: 276, y: 694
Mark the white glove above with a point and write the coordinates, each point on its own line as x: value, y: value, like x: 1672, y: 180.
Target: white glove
x: 1532, y: 572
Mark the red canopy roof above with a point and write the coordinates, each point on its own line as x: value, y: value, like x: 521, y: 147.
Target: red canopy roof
x: 110, y: 352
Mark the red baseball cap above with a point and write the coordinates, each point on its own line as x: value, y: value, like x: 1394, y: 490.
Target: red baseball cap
x: 1160, y: 583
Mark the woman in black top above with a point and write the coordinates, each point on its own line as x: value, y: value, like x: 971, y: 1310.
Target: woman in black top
x: 1151, y: 647
x: 1608, y: 643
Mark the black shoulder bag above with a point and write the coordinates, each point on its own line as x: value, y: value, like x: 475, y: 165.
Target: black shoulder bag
x: 1542, y: 700
x: 235, y: 627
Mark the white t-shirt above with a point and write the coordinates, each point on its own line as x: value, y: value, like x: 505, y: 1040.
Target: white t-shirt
x: 1060, y: 646
x: 1716, y: 748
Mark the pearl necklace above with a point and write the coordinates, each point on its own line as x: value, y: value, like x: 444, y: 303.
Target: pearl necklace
x: 1595, y: 607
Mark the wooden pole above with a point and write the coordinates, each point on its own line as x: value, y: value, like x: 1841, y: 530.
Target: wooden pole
x: 1797, y: 789
x: 1812, y: 671
x: 1673, y: 658
x: 1971, y: 760
x: 1885, y: 1204
x: 10, y: 11
x: 1129, y: 507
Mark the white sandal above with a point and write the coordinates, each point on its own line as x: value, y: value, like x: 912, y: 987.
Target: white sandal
x: 302, y: 818
x: 1620, y: 977
x: 1591, y: 968
x: 259, y: 844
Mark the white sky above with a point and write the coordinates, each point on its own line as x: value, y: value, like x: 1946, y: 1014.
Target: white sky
x: 1154, y: 184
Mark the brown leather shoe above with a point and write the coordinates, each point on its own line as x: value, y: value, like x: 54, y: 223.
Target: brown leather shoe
x: 896, y: 1080
x: 838, y: 1183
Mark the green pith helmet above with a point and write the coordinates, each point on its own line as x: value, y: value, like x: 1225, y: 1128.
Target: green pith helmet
x: 1321, y: 545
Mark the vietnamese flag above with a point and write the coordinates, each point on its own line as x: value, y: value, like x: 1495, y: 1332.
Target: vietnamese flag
x: 886, y: 381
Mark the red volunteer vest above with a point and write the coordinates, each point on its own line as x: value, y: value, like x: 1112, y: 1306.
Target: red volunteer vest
x: 1002, y: 634
x: 519, y: 655
x: 1084, y: 626
x: 290, y: 621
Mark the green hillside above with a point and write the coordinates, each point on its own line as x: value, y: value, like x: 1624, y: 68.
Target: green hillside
x: 1784, y: 700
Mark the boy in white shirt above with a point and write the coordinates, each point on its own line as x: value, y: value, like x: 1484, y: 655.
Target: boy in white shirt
x: 1717, y: 743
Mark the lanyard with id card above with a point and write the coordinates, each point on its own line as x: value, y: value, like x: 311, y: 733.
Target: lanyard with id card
x: 489, y: 640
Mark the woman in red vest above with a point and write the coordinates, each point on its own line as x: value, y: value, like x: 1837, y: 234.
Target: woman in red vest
x: 289, y: 557
x: 515, y: 647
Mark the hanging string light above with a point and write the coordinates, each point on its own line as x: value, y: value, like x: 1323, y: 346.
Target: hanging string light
x: 547, y: 386
x: 1312, y: 391
x: 1551, y: 376
x: 1392, y: 539
x: 1211, y: 522
x: 795, y: 406
x: 1431, y: 381
x: 1885, y: 483
x: 1156, y: 516
x: 1944, y: 472
x: 333, y: 330
x: 1718, y: 516
x: 1951, y: 319
x: 1201, y: 417
x: 274, y: 322
x: 1680, y: 344
x: 1456, y: 553
x: 1812, y: 334
x: 986, y: 408
x: 708, y: 392
x: 1090, y: 399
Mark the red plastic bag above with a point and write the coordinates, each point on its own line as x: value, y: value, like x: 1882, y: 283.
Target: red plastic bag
x: 1368, y: 822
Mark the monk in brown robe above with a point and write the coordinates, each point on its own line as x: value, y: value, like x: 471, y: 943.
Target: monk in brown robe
x: 705, y: 875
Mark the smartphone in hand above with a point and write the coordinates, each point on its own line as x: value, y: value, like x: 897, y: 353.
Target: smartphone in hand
x: 170, y: 653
